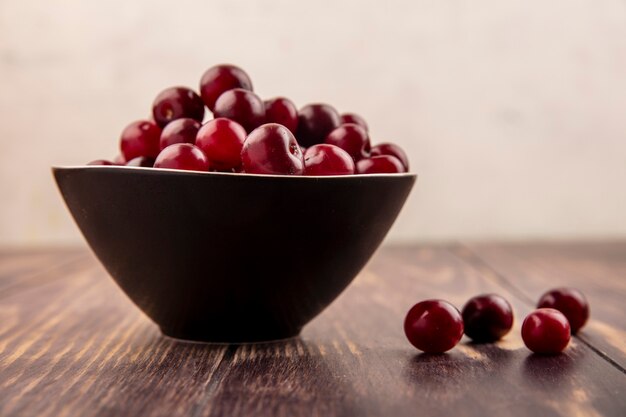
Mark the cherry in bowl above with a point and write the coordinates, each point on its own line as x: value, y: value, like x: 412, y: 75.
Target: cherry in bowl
x: 324, y: 159
x: 176, y: 103
x: 241, y: 106
x: 383, y: 164
x: 315, y: 122
x: 140, y: 138
x: 221, y: 78
x: 221, y: 140
x: 352, y: 138
x: 272, y: 149
x: 183, y: 156
x: 179, y: 131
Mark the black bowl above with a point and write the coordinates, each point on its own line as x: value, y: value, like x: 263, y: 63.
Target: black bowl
x: 231, y: 257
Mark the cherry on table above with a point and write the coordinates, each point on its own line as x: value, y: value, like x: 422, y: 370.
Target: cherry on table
x: 315, y: 122
x: 272, y: 149
x: 392, y: 150
x: 324, y: 159
x: 487, y: 318
x: 177, y: 103
x: 433, y: 326
x: 183, y: 156
x: 281, y: 110
x: 383, y: 164
x: 220, y: 78
x: 354, y: 118
x: 569, y: 301
x: 546, y: 331
x: 241, y: 106
x: 140, y: 138
x: 221, y: 140
x: 352, y: 138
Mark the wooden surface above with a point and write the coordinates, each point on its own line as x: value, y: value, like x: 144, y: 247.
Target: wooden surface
x: 71, y: 344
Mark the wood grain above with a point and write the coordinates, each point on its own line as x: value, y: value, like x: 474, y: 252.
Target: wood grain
x: 75, y: 346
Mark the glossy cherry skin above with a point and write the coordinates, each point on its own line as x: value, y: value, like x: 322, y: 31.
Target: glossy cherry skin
x: 272, y: 149
x: 220, y: 78
x: 221, y: 140
x: 433, y: 326
x: 354, y: 118
x: 101, y: 162
x: 281, y: 110
x: 242, y: 106
x: 571, y: 302
x: 384, y: 164
x: 175, y: 103
x: 179, y: 131
x: 140, y: 138
x: 315, y: 122
x: 546, y: 331
x: 352, y: 138
x: 183, y: 156
x: 487, y: 318
x: 393, y: 150
x: 141, y: 161
x: 324, y: 159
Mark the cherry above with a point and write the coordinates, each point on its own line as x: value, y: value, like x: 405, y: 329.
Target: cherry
x: 354, y: 118
x: 221, y: 140
x: 179, y: 131
x: 384, y: 164
x: 242, y: 106
x: 324, y: 159
x: 182, y: 156
x: 315, y: 122
x: 352, y: 138
x: 140, y: 138
x: 487, y: 318
x: 546, y: 331
x: 101, y: 162
x: 571, y: 302
x: 282, y: 111
x: 141, y: 161
x: 220, y: 78
x: 175, y: 103
x: 393, y: 150
x: 272, y: 149
x: 433, y: 326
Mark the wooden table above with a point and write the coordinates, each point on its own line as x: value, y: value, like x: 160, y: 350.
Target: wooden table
x: 71, y: 344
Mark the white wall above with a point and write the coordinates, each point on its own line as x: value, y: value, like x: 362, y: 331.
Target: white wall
x: 513, y: 111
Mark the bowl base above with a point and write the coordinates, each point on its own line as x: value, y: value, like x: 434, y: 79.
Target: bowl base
x: 232, y: 340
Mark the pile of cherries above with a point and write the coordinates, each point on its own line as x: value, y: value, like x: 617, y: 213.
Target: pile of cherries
x: 436, y: 326
x: 249, y: 135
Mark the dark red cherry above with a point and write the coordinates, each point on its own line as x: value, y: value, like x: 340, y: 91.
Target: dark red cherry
x: 354, y: 118
x: 272, y: 149
x: 177, y: 103
x: 487, y: 318
x: 140, y: 138
x: 315, y: 122
x: 281, y: 110
x: 141, y: 161
x: 101, y: 162
x: 571, y: 302
x: 324, y: 159
x: 393, y: 150
x: 433, y: 326
x: 241, y: 106
x: 546, y: 331
x: 384, y: 164
x: 352, y: 138
x: 182, y: 156
x: 221, y: 140
x: 220, y: 78
x: 179, y: 131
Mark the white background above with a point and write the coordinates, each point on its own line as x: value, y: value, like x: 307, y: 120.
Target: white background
x: 513, y: 112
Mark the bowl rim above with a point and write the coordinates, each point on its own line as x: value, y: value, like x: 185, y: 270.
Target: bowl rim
x: 227, y: 174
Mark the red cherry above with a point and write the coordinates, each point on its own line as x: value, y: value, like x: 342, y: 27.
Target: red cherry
x: 101, y: 162
x: 433, y: 326
x: 572, y: 303
x: 384, y: 164
x: 324, y: 159
x: 487, y: 318
x: 141, y: 161
x: 220, y: 78
x: 182, y: 156
x: 175, y: 103
x: 315, y: 122
x: 221, y: 140
x: 392, y: 150
x: 282, y: 111
x: 179, y: 131
x: 546, y: 331
x: 140, y: 138
x: 352, y: 138
x: 354, y: 118
x: 242, y: 106
x: 272, y: 149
